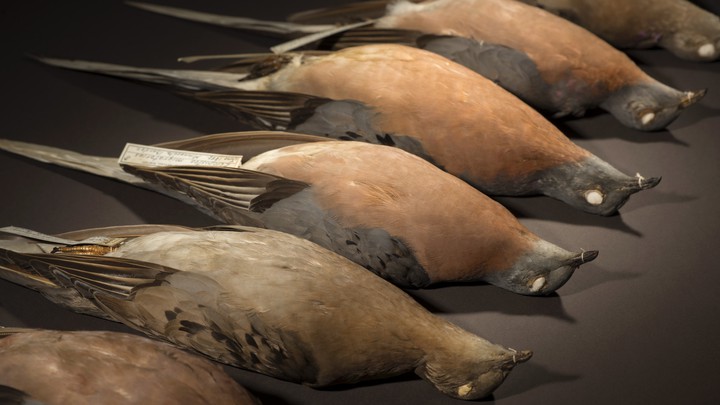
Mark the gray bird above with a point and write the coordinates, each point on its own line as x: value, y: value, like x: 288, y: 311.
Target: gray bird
x: 61, y: 367
x: 550, y: 63
x: 385, y: 209
x: 417, y: 101
x: 264, y: 301
x: 679, y: 26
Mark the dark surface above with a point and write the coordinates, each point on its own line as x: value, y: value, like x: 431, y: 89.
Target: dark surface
x: 637, y: 325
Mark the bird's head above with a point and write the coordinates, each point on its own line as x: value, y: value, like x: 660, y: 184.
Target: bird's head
x: 542, y: 270
x: 474, y: 373
x: 649, y: 106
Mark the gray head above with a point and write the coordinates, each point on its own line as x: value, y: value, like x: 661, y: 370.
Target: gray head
x: 541, y: 271
x: 694, y: 45
x: 698, y: 37
x: 649, y: 106
x: 593, y: 185
x: 472, y: 373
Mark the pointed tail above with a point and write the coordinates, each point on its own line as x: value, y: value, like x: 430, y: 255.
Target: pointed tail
x: 344, y: 13
x: 275, y: 28
x: 101, y: 166
x: 181, y: 80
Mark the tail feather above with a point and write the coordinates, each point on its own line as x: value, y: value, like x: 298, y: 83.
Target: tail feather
x: 101, y: 166
x: 344, y: 13
x: 308, y: 33
x: 276, y: 28
x: 228, y: 195
x: 182, y: 80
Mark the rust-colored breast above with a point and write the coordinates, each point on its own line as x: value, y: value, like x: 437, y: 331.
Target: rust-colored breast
x: 561, y: 50
x: 467, y: 124
x: 453, y: 229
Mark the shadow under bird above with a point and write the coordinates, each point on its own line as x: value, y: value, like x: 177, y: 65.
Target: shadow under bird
x: 412, y: 99
x: 61, y: 367
x: 260, y: 300
x: 381, y: 207
x: 679, y: 26
x: 550, y: 63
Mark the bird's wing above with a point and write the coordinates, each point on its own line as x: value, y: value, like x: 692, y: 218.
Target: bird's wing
x: 271, y: 110
x: 369, y: 35
x: 247, y: 144
x: 228, y: 193
x: 118, y: 277
x: 510, y: 68
x: 182, y: 307
x: 276, y: 110
x: 122, y: 231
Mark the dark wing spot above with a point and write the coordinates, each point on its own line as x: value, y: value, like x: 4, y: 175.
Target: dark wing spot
x: 191, y: 327
x: 385, y: 139
x: 170, y: 315
x: 250, y: 340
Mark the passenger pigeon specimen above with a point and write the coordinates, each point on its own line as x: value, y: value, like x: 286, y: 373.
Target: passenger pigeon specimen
x: 417, y: 101
x: 381, y: 207
x: 265, y: 301
x: 550, y: 63
x: 58, y: 368
x: 679, y: 26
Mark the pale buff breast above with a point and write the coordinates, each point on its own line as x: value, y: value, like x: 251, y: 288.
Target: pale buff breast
x: 558, y: 47
x: 452, y: 228
x: 470, y: 126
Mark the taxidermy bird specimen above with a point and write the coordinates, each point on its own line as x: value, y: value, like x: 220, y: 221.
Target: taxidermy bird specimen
x: 264, y: 301
x: 415, y: 100
x: 679, y: 26
x: 550, y: 63
x: 57, y: 368
x: 381, y: 207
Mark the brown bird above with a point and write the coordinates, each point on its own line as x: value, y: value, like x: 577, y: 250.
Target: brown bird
x: 417, y: 101
x: 548, y: 62
x: 264, y: 301
x: 58, y: 368
x: 381, y: 207
x: 679, y: 26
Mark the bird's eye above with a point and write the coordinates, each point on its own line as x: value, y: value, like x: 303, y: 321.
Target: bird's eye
x: 538, y: 284
x: 464, y: 390
x: 706, y: 51
x: 594, y: 197
x: 646, y: 117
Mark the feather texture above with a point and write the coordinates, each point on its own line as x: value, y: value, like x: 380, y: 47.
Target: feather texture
x: 54, y: 367
x: 378, y: 206
x: 276, y: 304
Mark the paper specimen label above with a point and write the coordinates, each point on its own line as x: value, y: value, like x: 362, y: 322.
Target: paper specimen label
x: 143, y: 155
